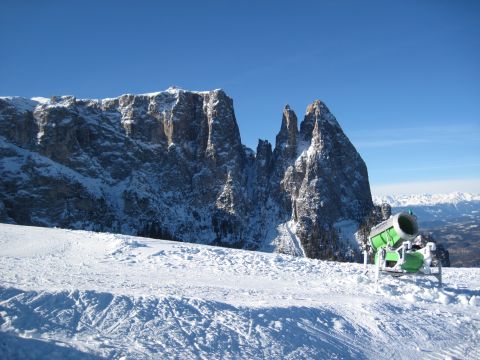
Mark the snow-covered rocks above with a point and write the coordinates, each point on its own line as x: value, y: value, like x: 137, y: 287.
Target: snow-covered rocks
x: 81, y: 294
x: 171, y: 165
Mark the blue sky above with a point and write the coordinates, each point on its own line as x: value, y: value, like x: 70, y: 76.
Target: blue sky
x: 402, y: 78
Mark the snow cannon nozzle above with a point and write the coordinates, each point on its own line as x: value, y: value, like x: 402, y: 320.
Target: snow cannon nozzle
x: 394, y: 231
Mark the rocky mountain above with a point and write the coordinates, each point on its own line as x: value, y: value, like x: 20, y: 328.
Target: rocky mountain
x: 172, y: 165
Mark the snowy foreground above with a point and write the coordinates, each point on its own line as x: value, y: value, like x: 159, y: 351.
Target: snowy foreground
x: 87, y: 295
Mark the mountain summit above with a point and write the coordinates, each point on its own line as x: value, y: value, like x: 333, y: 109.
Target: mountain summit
x: 172, y: 165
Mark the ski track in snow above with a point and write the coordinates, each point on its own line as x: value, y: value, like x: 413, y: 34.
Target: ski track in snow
x: 78, y: 294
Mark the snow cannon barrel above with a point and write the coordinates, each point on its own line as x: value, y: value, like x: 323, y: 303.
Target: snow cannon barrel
x: 393, y: 231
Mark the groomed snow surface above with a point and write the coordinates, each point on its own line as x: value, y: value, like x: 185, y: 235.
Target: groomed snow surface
x: 77, y: 294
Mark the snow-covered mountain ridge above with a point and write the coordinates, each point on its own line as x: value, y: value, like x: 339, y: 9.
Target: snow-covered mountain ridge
x: 171, y: 165
x: 425, y: 199
x: 78, y: 294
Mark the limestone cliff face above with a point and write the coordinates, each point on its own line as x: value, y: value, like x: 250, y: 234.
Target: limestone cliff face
x: 333, y: 185
x: 171, y: 165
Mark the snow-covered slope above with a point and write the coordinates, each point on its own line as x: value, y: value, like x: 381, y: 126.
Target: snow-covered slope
x: 86, y: 295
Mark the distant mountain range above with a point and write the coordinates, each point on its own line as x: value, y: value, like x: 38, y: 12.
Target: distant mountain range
x: 426, y: 199
x: 452, y: 219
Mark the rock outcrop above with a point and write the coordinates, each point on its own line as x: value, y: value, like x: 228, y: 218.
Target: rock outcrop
x: 171, y: 165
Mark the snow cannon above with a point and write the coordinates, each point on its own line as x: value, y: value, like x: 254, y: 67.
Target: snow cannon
x: 396, y: 250
x: 393, y: 231
x: 390, y: 237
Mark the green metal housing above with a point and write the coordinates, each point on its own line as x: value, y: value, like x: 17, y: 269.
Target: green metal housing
x: 393, y: 231
x: 413, y: 260
x: 388, y: 237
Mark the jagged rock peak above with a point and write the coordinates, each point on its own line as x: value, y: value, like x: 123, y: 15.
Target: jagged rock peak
x: 316, y: 106
x: 317, y: 113
x: 286, y: 140
x: 264, y: 150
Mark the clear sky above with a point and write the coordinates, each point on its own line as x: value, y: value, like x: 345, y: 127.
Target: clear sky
x: 402, y: 77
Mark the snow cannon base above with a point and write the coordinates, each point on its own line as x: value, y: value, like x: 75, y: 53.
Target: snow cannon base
x: 415, y: 263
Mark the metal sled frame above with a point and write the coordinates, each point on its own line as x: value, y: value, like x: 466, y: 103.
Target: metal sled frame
x: 437, y: 274
x: 397, y: 271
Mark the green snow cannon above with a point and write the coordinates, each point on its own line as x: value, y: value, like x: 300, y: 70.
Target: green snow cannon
x: 392, y: 238
x: 393, y: 231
